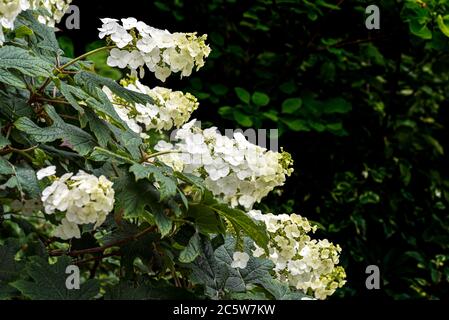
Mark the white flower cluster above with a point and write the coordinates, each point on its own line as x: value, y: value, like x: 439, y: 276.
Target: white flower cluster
x: 161, y: 51
x: 10, y: 9
x: 83, y: 198
x: 56, y: 8
x: 304, y: 263
x: 234, y: 170
x: 171, y: 109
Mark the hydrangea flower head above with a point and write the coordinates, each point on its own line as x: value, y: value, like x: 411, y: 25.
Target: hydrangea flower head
x: 304, y: 263
x: 235, y: 170
x: 162, y: 52
x: 170, y: 109
x: 10, y: 9
x: 83, y: 198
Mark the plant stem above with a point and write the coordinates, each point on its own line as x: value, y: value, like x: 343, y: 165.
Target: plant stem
x: 85, y: 55
x: 68, y: 64
x: 102, y: 248
x: 23, y: 152
x: 161, y: 153
x: 114, y: 155
x: 53, y: 100
x: 114, y: 254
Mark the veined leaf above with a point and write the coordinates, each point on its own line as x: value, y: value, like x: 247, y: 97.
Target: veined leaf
x: 10, y: 269
x: 163, y: 222
x: 6, y: 168
x: 9, y: 78
x: 208, y: 272
x: 167, y: 184
x: 48, y: 282
x: 24, y: 61
x: 128, y: 139
x: 44, y: 35
x: 132, y: 196
x: 206, y: 220
x: 100, y: 154
x: 14, y: 108
x: 238, y: 279
x: 4, y: 141
x: 70, y: 92
x: 27, y: 179
x: 93, y: 82
x: 99, y: 128
x: 147, y: 290
x: 254, y: 230
x: 192, y: 250
x: 43, y: 135
x: 77, y: 139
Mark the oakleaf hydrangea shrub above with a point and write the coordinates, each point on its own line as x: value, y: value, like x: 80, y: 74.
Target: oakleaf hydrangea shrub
x: 93, y: 174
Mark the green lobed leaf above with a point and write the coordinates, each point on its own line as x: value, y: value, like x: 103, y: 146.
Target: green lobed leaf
x: 100, y: 154
x: 129, y: 140
x: 70, y: 92
x: 48, y: 282
x: 192, y: 250
x: 4, y: 142
x: 75, y: 138
x: 44, y: 36
x: 208, y: 272
x: 99, y: 127
x: 9, y: 78
x: 238, y: 279
x: 213, y: 270
x: 24, y: 61
x: 6, y: 168
x: 253, y: 229
x: 132, y: 197
x: 167, y: 184
x: 43, y: 135
x: 281, y: 291
x: 10, y: 269
x: 27, y: 180
x: 163, y: 222
x: 94, y: 83
x: 146, y: 290
x: 206, y: 220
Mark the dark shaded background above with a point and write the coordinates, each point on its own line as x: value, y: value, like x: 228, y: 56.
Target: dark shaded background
x: 369, y: 138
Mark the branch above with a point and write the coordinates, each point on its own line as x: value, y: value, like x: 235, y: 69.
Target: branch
x: 102, y: 248
x: 160, y: 153
x: 23, y: 152
x: 52, y: 100
x: 68, y: 64
x: 60, y: 69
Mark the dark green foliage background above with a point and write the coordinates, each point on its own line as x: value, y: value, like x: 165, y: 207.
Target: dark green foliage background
x: 364, y: 114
